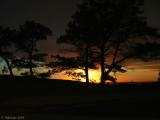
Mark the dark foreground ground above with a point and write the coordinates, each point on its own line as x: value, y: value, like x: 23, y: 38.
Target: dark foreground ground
x: 37, y: 99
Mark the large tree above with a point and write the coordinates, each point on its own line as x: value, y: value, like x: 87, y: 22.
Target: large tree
x: 121, y: 23
x: 80, y: 34
x: 113, y: 27
x: 28, y: 35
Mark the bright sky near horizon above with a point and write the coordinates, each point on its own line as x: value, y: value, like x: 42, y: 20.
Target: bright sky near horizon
x: 136, y: 72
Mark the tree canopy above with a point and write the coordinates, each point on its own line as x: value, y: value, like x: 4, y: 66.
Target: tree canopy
x: 112, y: 27
x: 28, y: 35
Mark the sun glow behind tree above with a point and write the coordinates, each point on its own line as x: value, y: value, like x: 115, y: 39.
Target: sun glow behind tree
x: 137, y: 71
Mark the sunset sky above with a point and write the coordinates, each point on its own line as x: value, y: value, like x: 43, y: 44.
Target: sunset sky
x: 56, y: 14
x: 137, y: 71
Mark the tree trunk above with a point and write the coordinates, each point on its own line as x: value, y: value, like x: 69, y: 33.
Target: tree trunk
x: 30, y: 64
x: 86, y: 64
x: 109, y: 70
x: 8, y: 65
x: 102, y: 63
x: 113, y: 61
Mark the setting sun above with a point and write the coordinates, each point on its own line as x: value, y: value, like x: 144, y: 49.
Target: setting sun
x: 94, y: 75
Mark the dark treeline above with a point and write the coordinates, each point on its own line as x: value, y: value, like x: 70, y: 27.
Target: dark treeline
x: 99, y: 31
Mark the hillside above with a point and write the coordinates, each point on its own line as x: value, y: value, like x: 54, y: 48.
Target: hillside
x: 43, y: 98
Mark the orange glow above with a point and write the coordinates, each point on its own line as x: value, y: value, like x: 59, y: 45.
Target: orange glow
x: 94, y: 75
x: 136, y: 72
x: 138, y: 75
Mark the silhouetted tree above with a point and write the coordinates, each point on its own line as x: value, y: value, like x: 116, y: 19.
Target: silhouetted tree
x: 112, y: 26
x: 120, y: 21
x: 6, y: 41
x: 80, y: 34
x: 29, y: 34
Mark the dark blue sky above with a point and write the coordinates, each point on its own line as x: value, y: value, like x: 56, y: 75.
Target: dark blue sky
x: 55, y: 14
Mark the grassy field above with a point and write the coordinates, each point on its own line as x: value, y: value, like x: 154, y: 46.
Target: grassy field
x: 67, y: 100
